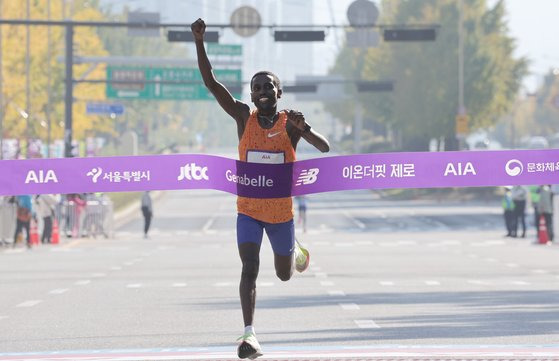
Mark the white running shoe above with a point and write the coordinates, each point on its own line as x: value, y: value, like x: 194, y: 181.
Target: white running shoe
x: 249, y: 347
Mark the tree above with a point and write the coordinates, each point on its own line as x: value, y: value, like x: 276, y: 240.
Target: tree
x: 14, y: 71
x: 425, y: 99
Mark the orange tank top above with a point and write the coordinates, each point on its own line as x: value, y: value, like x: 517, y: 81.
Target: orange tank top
x: 259, y: 145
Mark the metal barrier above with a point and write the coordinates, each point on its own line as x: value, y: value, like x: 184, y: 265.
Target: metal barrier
x: 89, y: 217
x: 7, y: 220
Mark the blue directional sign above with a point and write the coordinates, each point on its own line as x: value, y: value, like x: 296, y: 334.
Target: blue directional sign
x: 104, y: 108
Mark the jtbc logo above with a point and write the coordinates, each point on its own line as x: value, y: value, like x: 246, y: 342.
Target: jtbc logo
x: 193, y: 172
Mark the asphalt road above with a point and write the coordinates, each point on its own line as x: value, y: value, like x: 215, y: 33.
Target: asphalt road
x: 407, y: 273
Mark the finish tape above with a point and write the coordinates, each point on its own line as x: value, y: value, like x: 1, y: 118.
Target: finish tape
x: 260, y: 180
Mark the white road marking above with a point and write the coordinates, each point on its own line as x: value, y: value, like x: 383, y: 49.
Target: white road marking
x: 208, y: 224
x: 116, y: 268
x: 343, y: 244
x: 364, y: 243
x: 492, y: 260
x: 134, y: 285
x: 540, y: 271
x: 265, y: 284
x: 58, y: 291
x: 355, y: 221
x: 223, y: 284
x: 336, y: 293
x: 29, y: 303
x: 478, y: 282
x: 512, y: 265
x: 386, y: 283
x: 82, y: 282
x: 326, y: 283
x: 321, y: 274
x: 349, y: 306
x: 432, y: 283
x: 520, y: 283
x: 99, y: 274
x: 366, y: 324
x: 179, y: 284
x: 3, y: 317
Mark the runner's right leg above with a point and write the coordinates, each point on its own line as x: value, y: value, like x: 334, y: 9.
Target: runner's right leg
x: 249, y: 252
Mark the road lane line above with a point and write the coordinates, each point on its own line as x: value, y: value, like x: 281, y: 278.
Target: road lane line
x: 58, y: 291
x: 326, y: 283
x: 432, y: 283
x: 479, y: 282
x: 386, y: 283
x: 208, y: 224
x: 520, y: 283
x: 366, y: 324
x: 29, y: 303
x: 82, y: 282
x: 349, y: 306
x: 355, y: 221
x: 336, y: 293
x: 134, y: 285
x: 179, y: 284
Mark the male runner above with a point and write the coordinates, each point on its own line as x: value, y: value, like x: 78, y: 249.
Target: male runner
x: 262, y: 131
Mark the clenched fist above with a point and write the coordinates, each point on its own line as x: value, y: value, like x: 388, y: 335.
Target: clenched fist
x: 198, y: 29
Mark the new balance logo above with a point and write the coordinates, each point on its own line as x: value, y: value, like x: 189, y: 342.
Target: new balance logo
x: 307, y: 176
x: 193, y: 172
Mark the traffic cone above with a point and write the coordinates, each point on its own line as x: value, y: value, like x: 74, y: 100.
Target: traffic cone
x: 34, y: 233
x: 542, y: 231
x: 55, y: 238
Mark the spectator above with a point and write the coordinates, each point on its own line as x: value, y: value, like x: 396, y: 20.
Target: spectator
x: 535, y: 199
x: 45, y: 204
x: 509, y: 212
x: 555, y: 198
x: 302, y: 206
x: 545, y: 208
x: 147, y: 212
x: 519, y: 213
x: 23, y: 219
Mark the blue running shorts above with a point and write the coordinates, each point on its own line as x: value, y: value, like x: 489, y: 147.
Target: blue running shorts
x: 281, y: 235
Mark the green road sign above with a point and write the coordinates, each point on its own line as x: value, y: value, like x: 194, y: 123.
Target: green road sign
x: 225, y: 49
x: 166, y: 83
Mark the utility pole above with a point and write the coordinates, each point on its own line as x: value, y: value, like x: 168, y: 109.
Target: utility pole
x: 27, y: 82
x: 69, y: 96
x: 49, y: 79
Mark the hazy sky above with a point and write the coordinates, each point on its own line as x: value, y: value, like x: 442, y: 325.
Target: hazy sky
x: 534, y: 23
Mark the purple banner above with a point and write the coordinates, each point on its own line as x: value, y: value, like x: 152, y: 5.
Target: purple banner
x: 361, y: 171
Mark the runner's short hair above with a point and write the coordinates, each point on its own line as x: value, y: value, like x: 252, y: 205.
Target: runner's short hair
x: 266, y: 72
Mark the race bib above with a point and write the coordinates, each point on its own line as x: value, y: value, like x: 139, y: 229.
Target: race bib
x: 254, y: 156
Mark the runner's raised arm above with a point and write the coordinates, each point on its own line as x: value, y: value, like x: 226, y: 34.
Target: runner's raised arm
x: 235, y: 108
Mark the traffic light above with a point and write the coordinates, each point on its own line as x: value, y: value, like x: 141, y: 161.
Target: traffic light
x: 410, y: 34
x: 186, y: 36
x: 299, y: 35
x: 301, y: 88
x: 374, y: 86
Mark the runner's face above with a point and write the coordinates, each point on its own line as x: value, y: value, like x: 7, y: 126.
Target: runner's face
x: 265, y: 93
